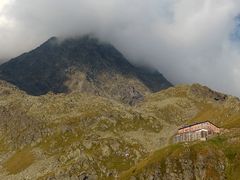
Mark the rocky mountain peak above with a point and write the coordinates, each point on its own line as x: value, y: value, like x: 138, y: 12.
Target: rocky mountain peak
x: 81, y: 64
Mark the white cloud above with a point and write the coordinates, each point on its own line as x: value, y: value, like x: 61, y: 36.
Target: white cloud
x: 3, y: 3
x: 187, y: 40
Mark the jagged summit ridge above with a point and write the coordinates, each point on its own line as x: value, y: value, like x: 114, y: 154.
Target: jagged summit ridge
x: 84, y: 64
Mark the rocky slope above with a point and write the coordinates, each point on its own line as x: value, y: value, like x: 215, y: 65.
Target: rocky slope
x: 84, y: 65
x: 82, y: 136
x: 215, y: 159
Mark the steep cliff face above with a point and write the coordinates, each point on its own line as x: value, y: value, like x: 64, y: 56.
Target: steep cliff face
x: 84, y: 65
x: 91, y: 137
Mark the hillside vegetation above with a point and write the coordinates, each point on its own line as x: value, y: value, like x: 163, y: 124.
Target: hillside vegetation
x: 82, y: 136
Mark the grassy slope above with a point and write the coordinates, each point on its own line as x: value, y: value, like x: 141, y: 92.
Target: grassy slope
x: 98, y: 135
x: 225, y: 114
x: 19, y: 161
x: 218, y: 147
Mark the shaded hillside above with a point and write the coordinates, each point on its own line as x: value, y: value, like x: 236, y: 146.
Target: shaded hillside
x: 92, y: 137
x: 84, y: 65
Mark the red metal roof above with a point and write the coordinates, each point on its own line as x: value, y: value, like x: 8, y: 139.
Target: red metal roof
x: 196, y: 124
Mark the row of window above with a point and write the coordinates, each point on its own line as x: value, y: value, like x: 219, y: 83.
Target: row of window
x: 191, y: 136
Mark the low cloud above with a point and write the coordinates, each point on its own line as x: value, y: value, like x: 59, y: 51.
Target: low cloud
x: 186, y: 40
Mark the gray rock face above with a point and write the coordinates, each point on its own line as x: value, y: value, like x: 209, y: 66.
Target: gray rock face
x: 84, y: 65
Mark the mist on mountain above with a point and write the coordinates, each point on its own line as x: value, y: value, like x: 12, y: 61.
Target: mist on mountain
x: 187, y: 40
x: 81, y: 64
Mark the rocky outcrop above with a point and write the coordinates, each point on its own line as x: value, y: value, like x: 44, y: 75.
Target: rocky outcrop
x: 188, y: 163
x: 203, y: 92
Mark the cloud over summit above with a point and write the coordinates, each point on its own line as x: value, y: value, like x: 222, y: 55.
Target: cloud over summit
x: 187, y: 40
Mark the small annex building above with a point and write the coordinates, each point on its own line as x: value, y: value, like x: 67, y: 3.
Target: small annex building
x: 198, y: 131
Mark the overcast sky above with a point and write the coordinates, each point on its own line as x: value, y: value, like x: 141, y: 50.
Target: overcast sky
x: 186, y: 40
